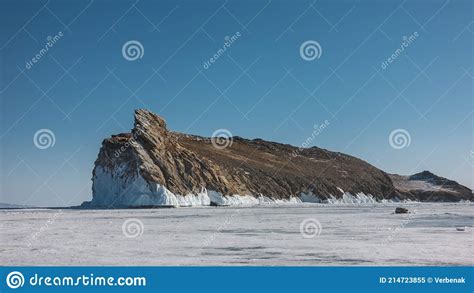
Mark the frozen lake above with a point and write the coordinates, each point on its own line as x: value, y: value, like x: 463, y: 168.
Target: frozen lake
x: 307, y: 234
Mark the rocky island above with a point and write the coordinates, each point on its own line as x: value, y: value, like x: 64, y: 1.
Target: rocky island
x: 153, y: 166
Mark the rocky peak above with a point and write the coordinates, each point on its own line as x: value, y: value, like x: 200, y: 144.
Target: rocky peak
x: 144, y: 117
x: 424, y: 175
x: 150, y: 129
x: 147, y: 122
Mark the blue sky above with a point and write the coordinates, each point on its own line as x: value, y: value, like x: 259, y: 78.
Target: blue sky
x: 83, y: 89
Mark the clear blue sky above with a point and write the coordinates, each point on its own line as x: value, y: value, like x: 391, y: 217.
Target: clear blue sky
x: 84, y: 90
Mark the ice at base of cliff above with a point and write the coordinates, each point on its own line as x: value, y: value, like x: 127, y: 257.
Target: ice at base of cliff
x: 115, y: 189
x: 354, y: 199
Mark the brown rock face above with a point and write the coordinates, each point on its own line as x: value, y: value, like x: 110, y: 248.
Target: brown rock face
x: 185, y: 164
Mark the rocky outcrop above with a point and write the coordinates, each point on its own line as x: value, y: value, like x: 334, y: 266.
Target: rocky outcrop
x: 426, y: 186
x: 400, y: 210
x: 152, y: 166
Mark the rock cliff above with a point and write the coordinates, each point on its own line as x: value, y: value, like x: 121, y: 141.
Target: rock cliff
x: 152, y: 166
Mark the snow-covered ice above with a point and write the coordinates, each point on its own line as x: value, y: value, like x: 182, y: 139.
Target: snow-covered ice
x: 359, y: 234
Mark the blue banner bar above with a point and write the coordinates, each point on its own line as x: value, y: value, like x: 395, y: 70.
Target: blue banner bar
x: 237, y: 279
